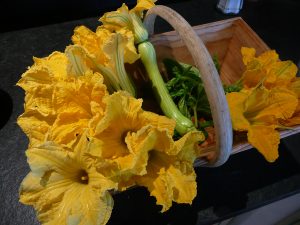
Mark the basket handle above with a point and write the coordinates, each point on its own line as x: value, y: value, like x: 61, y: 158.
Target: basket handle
x: 210, y: 77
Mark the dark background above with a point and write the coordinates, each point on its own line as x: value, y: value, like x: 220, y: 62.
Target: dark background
x: 19, y: 14
x: 245, y: 182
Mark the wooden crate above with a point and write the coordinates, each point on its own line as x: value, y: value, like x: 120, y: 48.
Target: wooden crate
x: 224, y: 39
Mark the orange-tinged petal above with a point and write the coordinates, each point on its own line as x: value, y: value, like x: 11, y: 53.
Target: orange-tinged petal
x: 253, y: 74
x: 266, y: 140
x: 142, y: 5
x: 280, y: 74
x: 268, y: 57
x: 279, y: 102
x: 294, y: 120
x: 248, y: 54
x: 295, y: 86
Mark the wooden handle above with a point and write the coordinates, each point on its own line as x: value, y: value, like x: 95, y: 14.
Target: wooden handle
x: 210, y: 77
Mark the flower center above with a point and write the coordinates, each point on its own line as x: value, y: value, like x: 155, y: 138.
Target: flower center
x: 83, y: 177
x: 151, y: 155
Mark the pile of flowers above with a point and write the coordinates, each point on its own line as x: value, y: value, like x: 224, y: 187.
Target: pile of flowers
x: 88, y: 134
x: 268, y: 100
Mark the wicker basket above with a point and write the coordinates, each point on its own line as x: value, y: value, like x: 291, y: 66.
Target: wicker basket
x: 195, y: 45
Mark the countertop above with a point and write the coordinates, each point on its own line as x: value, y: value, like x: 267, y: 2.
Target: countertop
x: 245, y: 182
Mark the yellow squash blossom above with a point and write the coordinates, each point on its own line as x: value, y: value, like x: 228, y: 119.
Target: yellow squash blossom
x: 125, y: 136
x: 130, y: 19
x: 107, y: 52
x: 266, y: 68
x: 258, y: 111
x: 158, y: 163
x: 64, y: 187
x: 170, y: 173
x: 93, y: 43
x: 58, y: 106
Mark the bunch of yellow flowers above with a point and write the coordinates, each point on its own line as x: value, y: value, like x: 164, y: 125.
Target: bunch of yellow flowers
x: 89, y: 136
x: 269, y: 100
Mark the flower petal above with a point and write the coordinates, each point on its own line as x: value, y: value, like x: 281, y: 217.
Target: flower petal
x: 170, y: 173
x: 295, y: 86
x: 79, y: 206
x: 168, y: 183
x: 65, y: 202
x: 41, y: 160
x: 248, y: 54
x: 118, y: 19
x: 279, y: 102
x: 258, y: 68
x: 268, y: 57
x: 283, y: 72
x: 30, y: 189
x: 79, y: 64
x: 66, y: 128
x: 142, y: 5
x: 92, y: 43
x: 266, y: 140
x: 130, y: 52
x: 294, y: 120
x: 45, y: 71
x: 236, y: 102
x: 35, y: 126
x: 186, y: 148
x: 56, y: 63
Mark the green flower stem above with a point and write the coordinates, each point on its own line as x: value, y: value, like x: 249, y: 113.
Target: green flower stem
x: 148, y: 57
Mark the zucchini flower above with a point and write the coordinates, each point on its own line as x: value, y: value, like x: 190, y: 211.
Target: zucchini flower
x: 258, y: 111
x: 130, y: 19
x: 65, y: 187
x: 60, y: 101
x: 106, y: 53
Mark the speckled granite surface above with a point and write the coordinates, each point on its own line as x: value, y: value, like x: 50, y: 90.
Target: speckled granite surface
x: 242, y: 174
